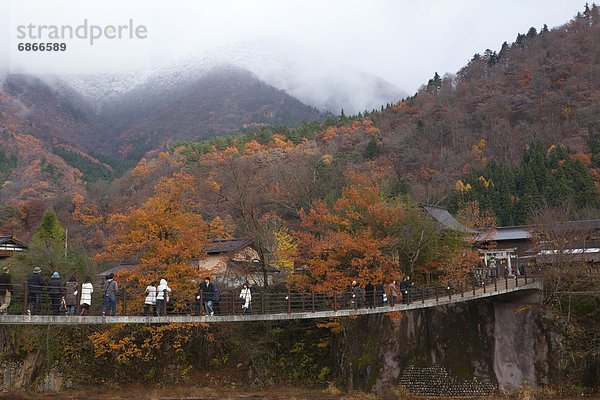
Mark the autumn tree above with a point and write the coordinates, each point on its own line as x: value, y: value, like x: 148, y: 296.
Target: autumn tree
x: 351, y: 239
x: 162, y: 237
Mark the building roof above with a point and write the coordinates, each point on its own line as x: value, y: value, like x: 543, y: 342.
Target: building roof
x: 442, y: 216
x: 226, y: 246
x: 12, y: 240
x: 523, y: 232
x: 504, y: 233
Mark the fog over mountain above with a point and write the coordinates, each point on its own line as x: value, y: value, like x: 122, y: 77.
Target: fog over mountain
x: 313, y: 80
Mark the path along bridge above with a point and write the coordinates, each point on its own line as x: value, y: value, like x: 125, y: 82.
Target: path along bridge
x: 269, y: 306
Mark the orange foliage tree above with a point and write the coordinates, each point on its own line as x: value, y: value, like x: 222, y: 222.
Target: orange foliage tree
x: 349, y: 240
x: 162, y: 236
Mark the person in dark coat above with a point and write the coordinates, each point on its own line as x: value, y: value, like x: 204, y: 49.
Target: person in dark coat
x: 5, y: 290
x: 35, y: 286
x: 71, y: 292
x: 55, y: 290
x: 208, y: 290
x: 405, y: 287
x: 379, y: 291
x: 369, y: 293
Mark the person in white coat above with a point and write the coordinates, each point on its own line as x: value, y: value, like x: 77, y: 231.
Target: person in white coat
x: 246, y: 298
x: 150, y: 302
x: 162, y: 297
x: 86, y: 296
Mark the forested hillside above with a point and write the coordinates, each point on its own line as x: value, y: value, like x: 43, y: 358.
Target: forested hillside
x: 543, y: 87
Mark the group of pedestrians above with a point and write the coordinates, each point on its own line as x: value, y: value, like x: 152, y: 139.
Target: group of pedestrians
x: 206, y: 299
x: 378, y: 295
x: 63, y: 298
x: 157, y: 298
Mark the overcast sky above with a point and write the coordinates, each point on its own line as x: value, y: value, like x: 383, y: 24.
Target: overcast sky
x: 402, y: 41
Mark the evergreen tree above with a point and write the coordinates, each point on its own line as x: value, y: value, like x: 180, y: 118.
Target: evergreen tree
x: 531, y: 33
x: 503, y: 51
x: 373, y: 150
x: 543, y: 178
x: 435, y: 82
x: 48, y: 251
x: 596, y: 152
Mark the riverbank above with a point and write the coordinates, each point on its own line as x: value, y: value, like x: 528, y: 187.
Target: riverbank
x: 191, y: 392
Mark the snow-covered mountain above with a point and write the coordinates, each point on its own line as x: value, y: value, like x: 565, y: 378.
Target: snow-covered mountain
x: 311, y: 79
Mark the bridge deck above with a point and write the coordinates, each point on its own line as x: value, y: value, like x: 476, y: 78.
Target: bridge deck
x: 503, y: 287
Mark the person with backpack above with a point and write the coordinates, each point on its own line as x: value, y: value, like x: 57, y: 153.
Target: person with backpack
x: 110, y: 295
x: 86, y: 296
x: 71, y: 293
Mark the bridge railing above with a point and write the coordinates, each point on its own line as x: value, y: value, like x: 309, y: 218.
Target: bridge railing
x: 47, y: 301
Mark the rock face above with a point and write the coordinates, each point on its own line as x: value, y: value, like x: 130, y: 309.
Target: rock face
x: 468, y: 349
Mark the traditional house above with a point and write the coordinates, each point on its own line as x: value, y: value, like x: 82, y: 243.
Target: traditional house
x: 9, y: 246
x: 228, y: 262
x: 233, y: 262
x: 512, y: 246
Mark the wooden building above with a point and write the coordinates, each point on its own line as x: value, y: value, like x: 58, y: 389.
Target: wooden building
x: 228, y: 262
x: 9, y: 246
x: 233, y: 262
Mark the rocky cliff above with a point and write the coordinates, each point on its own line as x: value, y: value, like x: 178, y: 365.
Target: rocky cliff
x: 472, y: 348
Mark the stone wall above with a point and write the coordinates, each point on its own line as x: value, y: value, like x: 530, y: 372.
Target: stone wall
x: 436, y: 381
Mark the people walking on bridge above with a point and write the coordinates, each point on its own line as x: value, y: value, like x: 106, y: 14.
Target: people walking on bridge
x: 71, y: 293
x: 392, y: 294
x: 56, y: 292
x: 405, y: 289
x: 110, y: 296
x: 357, y: 295
x: 86, y: 296
x: 5, y: 290
x: 208, y: 290
x: 245, y: 298
x: 369, y: 294
x: 150, y: 301
x: 162, y: 297
x: 35, y: 286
